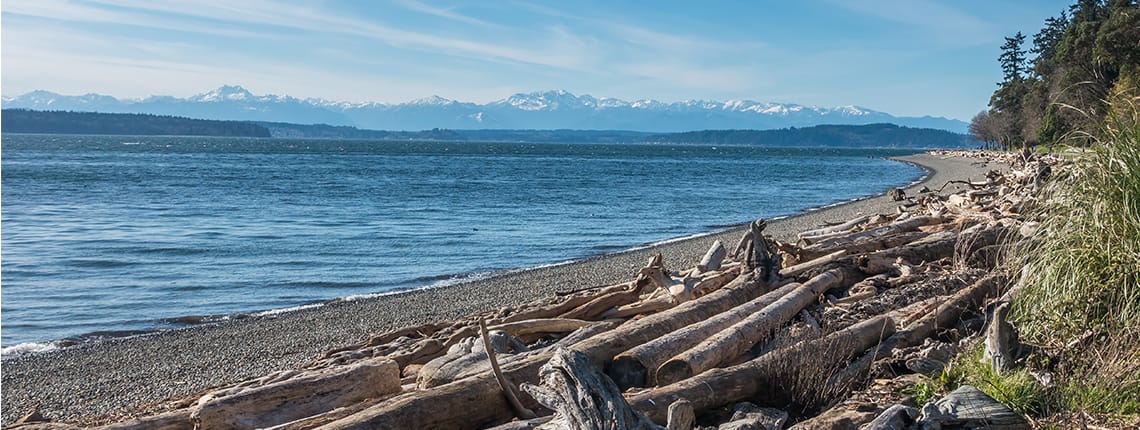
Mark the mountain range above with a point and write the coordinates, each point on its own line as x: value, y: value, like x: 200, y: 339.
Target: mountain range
x: 533, y: 111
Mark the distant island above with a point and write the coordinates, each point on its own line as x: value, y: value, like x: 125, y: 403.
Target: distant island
x: 60, y: 122
x: 859, y: 136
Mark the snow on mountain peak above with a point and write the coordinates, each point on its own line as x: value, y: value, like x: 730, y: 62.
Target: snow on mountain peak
x: 547, y: 100
x: 225, y: 92
x: 432, y: 101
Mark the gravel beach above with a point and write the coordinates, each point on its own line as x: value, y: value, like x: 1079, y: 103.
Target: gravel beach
x: 100, y: 382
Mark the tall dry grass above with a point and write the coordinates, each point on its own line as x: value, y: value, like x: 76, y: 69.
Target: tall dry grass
x: 1081, y: 285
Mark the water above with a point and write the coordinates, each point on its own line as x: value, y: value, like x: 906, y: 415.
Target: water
x: 108, y: 236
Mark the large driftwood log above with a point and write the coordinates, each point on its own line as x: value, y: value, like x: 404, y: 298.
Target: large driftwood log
x: 605, y: 346
x: 737, y: 339
x: 469, y: 405
x: 945, y: 245
x: 746, y: 380
x: 309, y: 394
x: 561, y: 307
x: 582, y: 397
x: 637, y: 367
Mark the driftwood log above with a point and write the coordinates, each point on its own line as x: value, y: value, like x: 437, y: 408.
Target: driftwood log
x: 743, y: 381
x: 637, y: 367
x: 469, y: 405
x: 279, y: 402
x: 582, y: 397
x: 737, y: 339
x: 945, y: 316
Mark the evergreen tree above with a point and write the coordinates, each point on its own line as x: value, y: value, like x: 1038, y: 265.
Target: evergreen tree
x: 1045, y: 43
x: 1012, y: 58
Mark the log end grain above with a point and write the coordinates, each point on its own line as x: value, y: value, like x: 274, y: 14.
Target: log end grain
x: 673, y: 371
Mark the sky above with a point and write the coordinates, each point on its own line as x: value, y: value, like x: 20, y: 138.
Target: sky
x: 903, y: 57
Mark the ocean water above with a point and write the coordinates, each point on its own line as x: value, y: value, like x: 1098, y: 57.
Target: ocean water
x: 112, y: 236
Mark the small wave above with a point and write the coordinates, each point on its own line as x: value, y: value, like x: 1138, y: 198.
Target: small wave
x: 190, y: 320
x: 446, y: 281
x: 28, y: 348
x: 98, y: 264
x: 287, y: 310
x: 171, y: 251
x: 329, y: 285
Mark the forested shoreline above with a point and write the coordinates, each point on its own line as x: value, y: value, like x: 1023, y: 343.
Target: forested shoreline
x: 62, y: 122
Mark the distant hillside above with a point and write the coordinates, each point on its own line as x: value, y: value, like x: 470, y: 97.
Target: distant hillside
x: 57, y: 122
x: 863, y: 136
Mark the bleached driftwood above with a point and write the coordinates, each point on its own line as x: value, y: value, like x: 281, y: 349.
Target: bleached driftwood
x: 469, y: 405
x: 637, y: 367
x: 735, y: 340
x: 1000, y: 341
x: 304, y: 395
x: 842, y: 228
x: 722, y: 386
x: 712, y: 258
x: 582, y: 397
x: 792, y: 271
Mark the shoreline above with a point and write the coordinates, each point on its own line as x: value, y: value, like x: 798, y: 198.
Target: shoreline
x: 91, y: 383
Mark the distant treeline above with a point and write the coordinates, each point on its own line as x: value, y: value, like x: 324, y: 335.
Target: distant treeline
x: 61, y: 122
x: 872, y: 135
x: 858, y: 136
x: 322, y: 131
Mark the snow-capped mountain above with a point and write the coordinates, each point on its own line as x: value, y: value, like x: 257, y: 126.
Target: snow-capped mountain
x: 538, y: 110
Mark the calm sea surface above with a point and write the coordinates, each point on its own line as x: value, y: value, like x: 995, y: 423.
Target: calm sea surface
x: 107, y: 236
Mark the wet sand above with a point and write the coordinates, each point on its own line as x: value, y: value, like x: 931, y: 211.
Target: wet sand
x: 97, y: 382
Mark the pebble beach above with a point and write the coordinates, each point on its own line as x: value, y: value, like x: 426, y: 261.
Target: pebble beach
x: 99, y: 382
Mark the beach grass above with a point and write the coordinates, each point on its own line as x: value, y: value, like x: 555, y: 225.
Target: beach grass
x: 1078, y: 308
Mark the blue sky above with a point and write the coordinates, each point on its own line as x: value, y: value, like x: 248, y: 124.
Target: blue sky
x: 904, y: 57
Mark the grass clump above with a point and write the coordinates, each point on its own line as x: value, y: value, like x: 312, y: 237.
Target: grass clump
x: 1018, y: 390
x: 1080, y: 298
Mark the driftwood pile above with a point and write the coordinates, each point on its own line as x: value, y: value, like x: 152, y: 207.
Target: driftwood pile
x: 760, y: 336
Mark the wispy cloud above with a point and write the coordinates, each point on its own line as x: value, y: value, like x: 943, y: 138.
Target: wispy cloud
x: 445, y: 13
x: 937, y: 20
